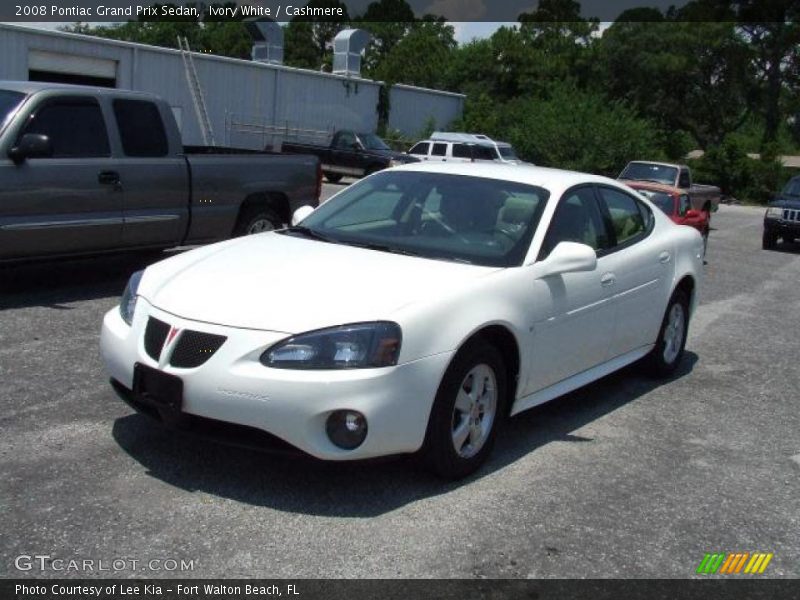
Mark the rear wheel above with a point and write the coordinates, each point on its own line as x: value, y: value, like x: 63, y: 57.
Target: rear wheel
x: 468, y: 408
x: 257, y: 219
x: 666, y: 355
x: 333, y: 177
x: 769, y: 241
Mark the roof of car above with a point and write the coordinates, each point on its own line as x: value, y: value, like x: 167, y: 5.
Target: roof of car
x: 31, y: 87
x: 552, y: 179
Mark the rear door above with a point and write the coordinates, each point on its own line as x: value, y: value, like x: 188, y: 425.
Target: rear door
x: 66, y: 203
x: 439, y: 152
x: 641, y: 264
x: 154, y: 183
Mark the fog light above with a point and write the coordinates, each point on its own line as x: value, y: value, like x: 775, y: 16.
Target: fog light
x: 346, y: 428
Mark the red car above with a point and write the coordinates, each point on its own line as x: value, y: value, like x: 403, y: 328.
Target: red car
x: 676, y: 204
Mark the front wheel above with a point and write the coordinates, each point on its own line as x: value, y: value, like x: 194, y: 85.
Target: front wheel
x: 666, y: 355
x: 468, y: 408
x: 333, y: 177
x: 769, y: 241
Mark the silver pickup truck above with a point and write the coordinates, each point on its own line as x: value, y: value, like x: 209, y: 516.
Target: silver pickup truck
x: 86, y: 170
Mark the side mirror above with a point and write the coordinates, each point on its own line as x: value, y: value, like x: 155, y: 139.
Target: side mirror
x: 32, y: 145
x: 301, y: 213
x: 692, y: 214
x: 569, y: 257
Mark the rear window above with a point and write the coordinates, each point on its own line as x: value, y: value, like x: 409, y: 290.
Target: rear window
x: 140, y: 128
x: 461, y: 151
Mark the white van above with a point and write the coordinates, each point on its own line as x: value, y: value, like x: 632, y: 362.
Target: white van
x: 501, y: 151
x: 449, y: 151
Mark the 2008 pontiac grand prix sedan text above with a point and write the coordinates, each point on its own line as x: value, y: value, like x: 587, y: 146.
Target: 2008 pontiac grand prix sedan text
x: 411, y: 313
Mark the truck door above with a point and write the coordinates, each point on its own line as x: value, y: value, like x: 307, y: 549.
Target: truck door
x: 346, y: 154
x: 69, y: 201
x: 155, y: 183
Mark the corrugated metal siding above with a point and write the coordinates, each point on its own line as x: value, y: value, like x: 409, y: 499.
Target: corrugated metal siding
x: 411, y: 109
x: 245, y: 101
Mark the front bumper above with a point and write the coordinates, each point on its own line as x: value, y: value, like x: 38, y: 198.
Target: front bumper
x: 782, y: 228
x: 292, y: 405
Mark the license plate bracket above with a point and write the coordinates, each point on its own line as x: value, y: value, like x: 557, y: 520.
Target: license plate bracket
x: 156, y: 388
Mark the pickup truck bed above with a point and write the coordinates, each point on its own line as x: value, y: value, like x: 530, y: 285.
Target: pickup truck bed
x: 86, y: 170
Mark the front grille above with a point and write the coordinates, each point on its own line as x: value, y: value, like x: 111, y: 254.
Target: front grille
x: 194, y: 348
x: 791, y: 214
x: 154, y: 335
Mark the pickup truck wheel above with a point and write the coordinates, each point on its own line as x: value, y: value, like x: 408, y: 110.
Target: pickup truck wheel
x: 769, y: 241
x: 466, y: 413
x: 257, y: 220
x: 666, y: 355
x: 333, y: 177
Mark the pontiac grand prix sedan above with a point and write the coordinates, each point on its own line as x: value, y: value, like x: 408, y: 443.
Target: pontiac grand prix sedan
x: 411, y: 313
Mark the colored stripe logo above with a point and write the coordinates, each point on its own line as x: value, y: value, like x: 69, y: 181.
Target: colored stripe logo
x: 733, y: 563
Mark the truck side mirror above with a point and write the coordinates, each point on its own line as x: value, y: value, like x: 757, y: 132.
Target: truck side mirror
x: 31, y: 145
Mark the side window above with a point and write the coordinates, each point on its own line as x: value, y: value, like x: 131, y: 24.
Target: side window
x: 629, y: 217
x: 381, y: 207
x: 345, y: 141
x: 577, y: 219
x: 421, y: 149
x: 140, y: 128
x: 75, y: 126
x: 439, y: 150
x: 484, y: 152
x: 683, y: 205
x: 683, y: 179
x: 461, y: 151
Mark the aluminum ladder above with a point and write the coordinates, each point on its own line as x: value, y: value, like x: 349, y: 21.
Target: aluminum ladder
x: 197, y: 92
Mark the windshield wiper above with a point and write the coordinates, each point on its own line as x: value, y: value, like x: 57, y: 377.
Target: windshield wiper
x: 381, y: 248
x: 310, y: 233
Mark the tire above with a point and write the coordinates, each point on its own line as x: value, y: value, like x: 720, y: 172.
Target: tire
x: 666, y: 355
x: 256, y: 219
x: 462, y: 428
x: 769, y: 241
x: 333, y: 177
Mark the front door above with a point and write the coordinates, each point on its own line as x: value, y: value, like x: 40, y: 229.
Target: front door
x: 69, y: 202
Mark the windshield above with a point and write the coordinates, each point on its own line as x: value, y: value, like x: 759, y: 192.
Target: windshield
x: 9, y: 102
x: 507, y: 152
x: 372, y: 142
x: 793, y: 187
x: 650, y: 172
x: 479, y: 221
x: 661, y: 199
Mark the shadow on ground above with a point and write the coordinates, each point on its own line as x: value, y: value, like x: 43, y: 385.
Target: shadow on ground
x: 56, y: 283
x: 364, y: 489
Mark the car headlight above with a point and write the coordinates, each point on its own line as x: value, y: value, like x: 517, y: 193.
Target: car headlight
x: 354, y: 346
x: 775, y: 212
x: 127, y: 304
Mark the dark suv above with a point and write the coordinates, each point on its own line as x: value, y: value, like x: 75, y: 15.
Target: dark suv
x: 782, y: 219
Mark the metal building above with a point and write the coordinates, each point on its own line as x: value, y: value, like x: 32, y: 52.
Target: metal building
x: 250, y: 104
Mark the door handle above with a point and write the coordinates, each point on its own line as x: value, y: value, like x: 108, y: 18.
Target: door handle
x: 664, y: 257
x: 608, y: 279
x: 108, y: 178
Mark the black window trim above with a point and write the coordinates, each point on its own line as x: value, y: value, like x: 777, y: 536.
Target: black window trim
x: 616, y: 246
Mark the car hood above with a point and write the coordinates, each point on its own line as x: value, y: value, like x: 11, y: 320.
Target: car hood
x: 786, y: 202
x: 398, y: 156
x: 283, y: 283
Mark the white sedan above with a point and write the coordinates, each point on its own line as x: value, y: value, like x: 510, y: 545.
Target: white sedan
x: 412, y: 312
